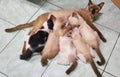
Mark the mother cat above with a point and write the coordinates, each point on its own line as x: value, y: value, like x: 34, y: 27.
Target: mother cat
x: 87, y: 13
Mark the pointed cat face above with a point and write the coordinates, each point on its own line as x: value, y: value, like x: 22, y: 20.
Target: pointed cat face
x: 95, y: 8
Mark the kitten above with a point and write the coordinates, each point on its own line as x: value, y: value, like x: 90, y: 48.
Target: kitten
x: 88, y: 34
x: 52, y: 45
x: 36, y: 42
x: 87, y: 13
x: 84, y: 50
x: 51, y: 48
x: 67, y: 52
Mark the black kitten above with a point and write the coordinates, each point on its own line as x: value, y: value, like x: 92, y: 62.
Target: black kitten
x: 36, y: 42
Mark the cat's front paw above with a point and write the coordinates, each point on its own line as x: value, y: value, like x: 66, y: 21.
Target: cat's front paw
x: 44, y: 62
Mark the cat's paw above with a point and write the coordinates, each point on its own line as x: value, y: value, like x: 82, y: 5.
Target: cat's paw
x: 44, y: 62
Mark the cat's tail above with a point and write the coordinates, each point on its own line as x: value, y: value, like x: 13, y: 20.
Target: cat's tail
x: 36, y: 23
x: 72, y: 67
x: 19, y: 27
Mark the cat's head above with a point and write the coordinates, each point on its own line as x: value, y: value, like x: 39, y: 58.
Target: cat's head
x: 59, y: 24
x: 95, y: 8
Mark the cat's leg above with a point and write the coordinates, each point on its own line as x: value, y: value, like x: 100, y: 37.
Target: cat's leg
x: 26, y: 55
x: 102, y: 60
x: 95, y: 29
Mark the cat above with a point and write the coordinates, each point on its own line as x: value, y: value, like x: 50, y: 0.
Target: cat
x: 88, y: 34
x: 51, y: 48
x: 87, y: 13
x: 84, y: 51
x: 67, y: 52
x: 52, y: 44
x: 36, y: 42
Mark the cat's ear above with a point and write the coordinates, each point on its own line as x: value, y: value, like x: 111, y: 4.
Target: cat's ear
x: 75, y: 14
x: 52, y: 17
x: 101, y: 5
x: 90, y: 3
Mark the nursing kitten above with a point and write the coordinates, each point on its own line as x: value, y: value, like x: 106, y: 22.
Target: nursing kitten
x: 36, y: 42
x: 84, y: 51
x: 51, y: 48
x: 87, y: 13
x: 88, y: 34
x: 67, y: 52
x: 52, y: 45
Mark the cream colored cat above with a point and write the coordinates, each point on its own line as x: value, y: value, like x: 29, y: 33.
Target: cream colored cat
x: 88, y: 34
x: 84, y: 50
x: 67, y: 52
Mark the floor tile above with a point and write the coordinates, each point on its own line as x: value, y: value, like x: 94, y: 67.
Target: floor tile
x: 47, y: 7
x: 106, y: 48
x: 13, y: 66
x: 70, y: 3
x: 5, y: 37
x: 114, y: 62
x: 2, y: 75
x: 38, y: 2
x: 16, y: 11
x: 108, y: 75
x: 110, y: 17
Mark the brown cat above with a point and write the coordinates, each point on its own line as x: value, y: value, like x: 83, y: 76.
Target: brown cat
x: 84, y: 50
x: 52, y: 44
x: 87, y: 13
x: 89, y: 35
x: 51, y: 48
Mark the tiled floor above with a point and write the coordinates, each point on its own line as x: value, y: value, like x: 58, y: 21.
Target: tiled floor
x: 14, y: 12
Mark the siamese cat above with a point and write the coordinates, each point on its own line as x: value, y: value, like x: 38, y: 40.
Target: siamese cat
x: 51, y: 48
x: 52, y: 44
x: 84, y: 51
x: 88, y: 34
x: 67, y: 52
x: 36, y: 42
x: 87, y: 13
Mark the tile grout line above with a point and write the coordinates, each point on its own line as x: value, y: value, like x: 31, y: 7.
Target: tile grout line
x: 106, y: 27
x: 9, y: 42
x: 107, y: 72
x: 36, y: 11
x: 48, y: 66
x: 54, y: 4
x: 111, y: 53
x: 7, y: 21
x: 4, y: 74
